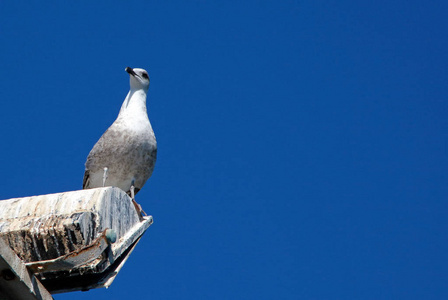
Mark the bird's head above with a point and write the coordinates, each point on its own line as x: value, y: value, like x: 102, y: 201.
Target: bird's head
x: 139, y: 78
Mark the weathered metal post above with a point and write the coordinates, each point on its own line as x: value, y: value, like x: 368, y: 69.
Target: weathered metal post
x: 68, y: 241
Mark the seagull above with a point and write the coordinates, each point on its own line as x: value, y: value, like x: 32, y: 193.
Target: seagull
x: 126, y: 153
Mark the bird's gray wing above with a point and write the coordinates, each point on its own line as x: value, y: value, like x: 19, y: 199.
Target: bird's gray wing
x: 96, y: 153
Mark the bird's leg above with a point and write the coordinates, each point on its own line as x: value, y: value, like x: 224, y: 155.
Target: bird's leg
x: 105, y: 176
x: 137, y: 206
x: 142, y: 211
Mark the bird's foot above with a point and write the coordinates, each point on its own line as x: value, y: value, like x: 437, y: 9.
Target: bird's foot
x: 139, y: 210
x: 138, y: 207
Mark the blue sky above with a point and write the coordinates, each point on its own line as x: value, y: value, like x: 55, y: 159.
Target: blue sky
x: 302, y: 144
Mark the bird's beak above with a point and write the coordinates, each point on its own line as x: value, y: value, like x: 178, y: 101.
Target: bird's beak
x: 130, y: 71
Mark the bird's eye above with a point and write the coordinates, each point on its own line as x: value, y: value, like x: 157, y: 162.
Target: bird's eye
x: 144, y: 75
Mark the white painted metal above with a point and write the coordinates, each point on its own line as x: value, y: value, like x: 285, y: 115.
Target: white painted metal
x: 62, y: 237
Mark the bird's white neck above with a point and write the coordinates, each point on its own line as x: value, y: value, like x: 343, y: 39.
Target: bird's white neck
x: 134, y: 103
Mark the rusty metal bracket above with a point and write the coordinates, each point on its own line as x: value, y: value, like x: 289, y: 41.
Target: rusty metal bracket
x: 76, y: 258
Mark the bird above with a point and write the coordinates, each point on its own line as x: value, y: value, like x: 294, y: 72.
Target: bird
x: 125, y: 155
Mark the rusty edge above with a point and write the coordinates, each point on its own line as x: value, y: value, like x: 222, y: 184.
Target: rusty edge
x: 73, y: 259
x: 130, y: 237
x: 92, y: 252
x: 131, y: 240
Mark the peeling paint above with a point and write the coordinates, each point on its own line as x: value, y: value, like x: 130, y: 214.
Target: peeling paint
x: 62, y: 239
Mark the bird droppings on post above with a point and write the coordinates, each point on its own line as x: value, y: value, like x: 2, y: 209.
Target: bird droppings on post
x: 76, y: 240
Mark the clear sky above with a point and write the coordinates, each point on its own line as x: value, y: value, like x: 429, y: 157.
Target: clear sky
x: 302, y: 144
